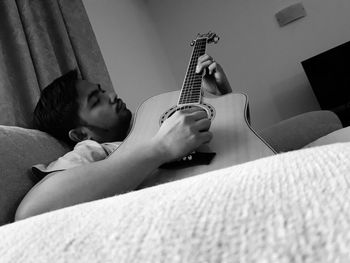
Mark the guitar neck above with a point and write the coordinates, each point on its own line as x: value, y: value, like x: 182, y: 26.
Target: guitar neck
x: 191, y: 89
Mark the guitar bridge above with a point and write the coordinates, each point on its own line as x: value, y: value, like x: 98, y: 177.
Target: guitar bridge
x: 193, y: 159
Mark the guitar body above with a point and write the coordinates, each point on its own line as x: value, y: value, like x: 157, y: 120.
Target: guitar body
x: 234, y: 141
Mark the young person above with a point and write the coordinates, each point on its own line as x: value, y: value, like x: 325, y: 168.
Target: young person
x: 78, y: 111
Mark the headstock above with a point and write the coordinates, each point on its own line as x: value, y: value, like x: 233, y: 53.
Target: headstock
x: 211, y: 37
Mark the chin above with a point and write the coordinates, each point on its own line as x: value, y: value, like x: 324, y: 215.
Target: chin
x: 125, y: 124
x: 128, y: 117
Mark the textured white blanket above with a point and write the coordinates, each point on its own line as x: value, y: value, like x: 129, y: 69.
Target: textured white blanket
x: 293, y: 207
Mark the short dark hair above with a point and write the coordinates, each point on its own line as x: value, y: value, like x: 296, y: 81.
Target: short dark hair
x: 57, y: 109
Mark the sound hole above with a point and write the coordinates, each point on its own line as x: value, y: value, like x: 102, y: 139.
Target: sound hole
x: 207, y: 107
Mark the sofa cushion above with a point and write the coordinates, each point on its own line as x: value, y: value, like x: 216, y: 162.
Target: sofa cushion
x: 21, y: 148
x: 342, y: 135
x: 296, y: 132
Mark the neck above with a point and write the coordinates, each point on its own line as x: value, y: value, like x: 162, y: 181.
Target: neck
x: 191, y: 92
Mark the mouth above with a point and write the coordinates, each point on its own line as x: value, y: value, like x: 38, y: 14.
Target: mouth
x: 120, y: 105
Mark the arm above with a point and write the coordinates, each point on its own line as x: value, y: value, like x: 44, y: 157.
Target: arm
x: 122, y: 171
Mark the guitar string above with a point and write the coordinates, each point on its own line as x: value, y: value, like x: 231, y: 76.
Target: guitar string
x: 192, y: 75
x: 188, y: 76
x: 192, y: 92
x: 191, y: 78
x: 187, y: 81
x: 197, y: 77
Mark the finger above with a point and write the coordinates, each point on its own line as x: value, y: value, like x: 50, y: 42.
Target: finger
x: 205, y: 137
x: 190, y: 109
x: 203, y: 125
x: 212, y: 68
x: 204, y: 57
x: 200, y: 114
x: 195, y: 113
x: 202, y: 65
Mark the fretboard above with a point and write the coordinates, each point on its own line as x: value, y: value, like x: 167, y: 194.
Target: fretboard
x: 191, y: 89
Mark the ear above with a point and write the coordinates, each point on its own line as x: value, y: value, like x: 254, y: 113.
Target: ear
x: 79, y: 134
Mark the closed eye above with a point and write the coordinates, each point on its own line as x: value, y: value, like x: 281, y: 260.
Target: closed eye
x: 95, y: 94
x: 96, y: 102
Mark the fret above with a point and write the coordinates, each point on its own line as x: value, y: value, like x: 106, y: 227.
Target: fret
x: 190, y: 92
x: 192, y: 96
x: 198, y: 88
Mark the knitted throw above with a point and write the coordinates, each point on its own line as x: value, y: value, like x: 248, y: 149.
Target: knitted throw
x: 292, y: 207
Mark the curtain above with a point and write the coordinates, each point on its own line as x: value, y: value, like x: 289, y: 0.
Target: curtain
x: 39, y: 41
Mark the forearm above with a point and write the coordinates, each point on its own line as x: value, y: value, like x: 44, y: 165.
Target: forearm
x: 123, y: 171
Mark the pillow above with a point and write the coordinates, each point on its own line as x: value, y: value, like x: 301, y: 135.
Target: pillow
x: 20, y: 148
x: 341, y: 135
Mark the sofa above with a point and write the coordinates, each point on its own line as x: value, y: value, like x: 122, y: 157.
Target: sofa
x: 214, y: 217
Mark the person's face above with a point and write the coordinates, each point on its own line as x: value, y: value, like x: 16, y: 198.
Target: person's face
x: 105, y: 117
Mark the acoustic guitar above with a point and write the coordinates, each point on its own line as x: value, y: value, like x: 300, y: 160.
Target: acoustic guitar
x: 234, y: 141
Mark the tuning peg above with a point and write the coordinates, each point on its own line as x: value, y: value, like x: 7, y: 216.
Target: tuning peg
x: 192, y: 43
x: 216, y: 39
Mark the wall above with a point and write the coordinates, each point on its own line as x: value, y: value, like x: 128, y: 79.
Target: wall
x: 260, y: 58
x: 131, y: 49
